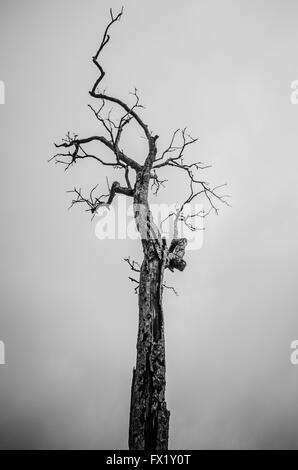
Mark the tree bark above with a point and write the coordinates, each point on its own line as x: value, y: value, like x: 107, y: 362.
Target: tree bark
x: 149, y: 417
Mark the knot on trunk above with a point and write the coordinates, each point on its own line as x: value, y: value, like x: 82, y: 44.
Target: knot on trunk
x: 176, y: 254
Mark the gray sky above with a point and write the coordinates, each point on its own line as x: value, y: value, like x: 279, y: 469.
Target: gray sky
x: 68, y: 311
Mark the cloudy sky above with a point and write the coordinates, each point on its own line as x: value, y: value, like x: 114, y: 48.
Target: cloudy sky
x: 68, y: 311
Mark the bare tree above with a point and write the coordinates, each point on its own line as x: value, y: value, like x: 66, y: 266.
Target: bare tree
x: 149, y: 416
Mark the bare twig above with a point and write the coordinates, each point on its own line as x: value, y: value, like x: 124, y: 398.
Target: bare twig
x: 133, y: 264
x: 92, y: 202
x: 157, y: 183
x: 171, y: 288
x: 178, y: 157
x: 135, y: 280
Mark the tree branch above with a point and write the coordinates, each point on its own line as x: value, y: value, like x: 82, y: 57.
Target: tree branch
x: 186, y: 140
x: 133, y: 264
x: 157, y: 183
x: 171, y: 288
x: 122, y: 160
x: 94, y: 203
x: 105, y: 40
x: 126, y: 108
x: 95, y: 94
x: 135, y: 280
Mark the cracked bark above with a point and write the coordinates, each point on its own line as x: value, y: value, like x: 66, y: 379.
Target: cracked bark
x: 149, y: 417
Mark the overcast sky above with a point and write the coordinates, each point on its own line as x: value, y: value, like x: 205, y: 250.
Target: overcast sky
x: 68, y: 311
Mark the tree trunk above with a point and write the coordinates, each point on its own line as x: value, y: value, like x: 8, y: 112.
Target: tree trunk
x: 149, y: 417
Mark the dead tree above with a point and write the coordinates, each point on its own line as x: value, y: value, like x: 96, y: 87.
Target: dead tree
x: 149, y: 416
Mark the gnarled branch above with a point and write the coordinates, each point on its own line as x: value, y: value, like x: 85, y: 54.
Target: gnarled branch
x: 105, y: 40
x: 94, y: 203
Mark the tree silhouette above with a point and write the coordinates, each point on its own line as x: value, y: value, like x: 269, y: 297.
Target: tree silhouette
x: 149, y: 416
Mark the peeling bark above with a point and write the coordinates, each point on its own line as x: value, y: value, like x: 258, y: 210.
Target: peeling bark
x: 149, y: 417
